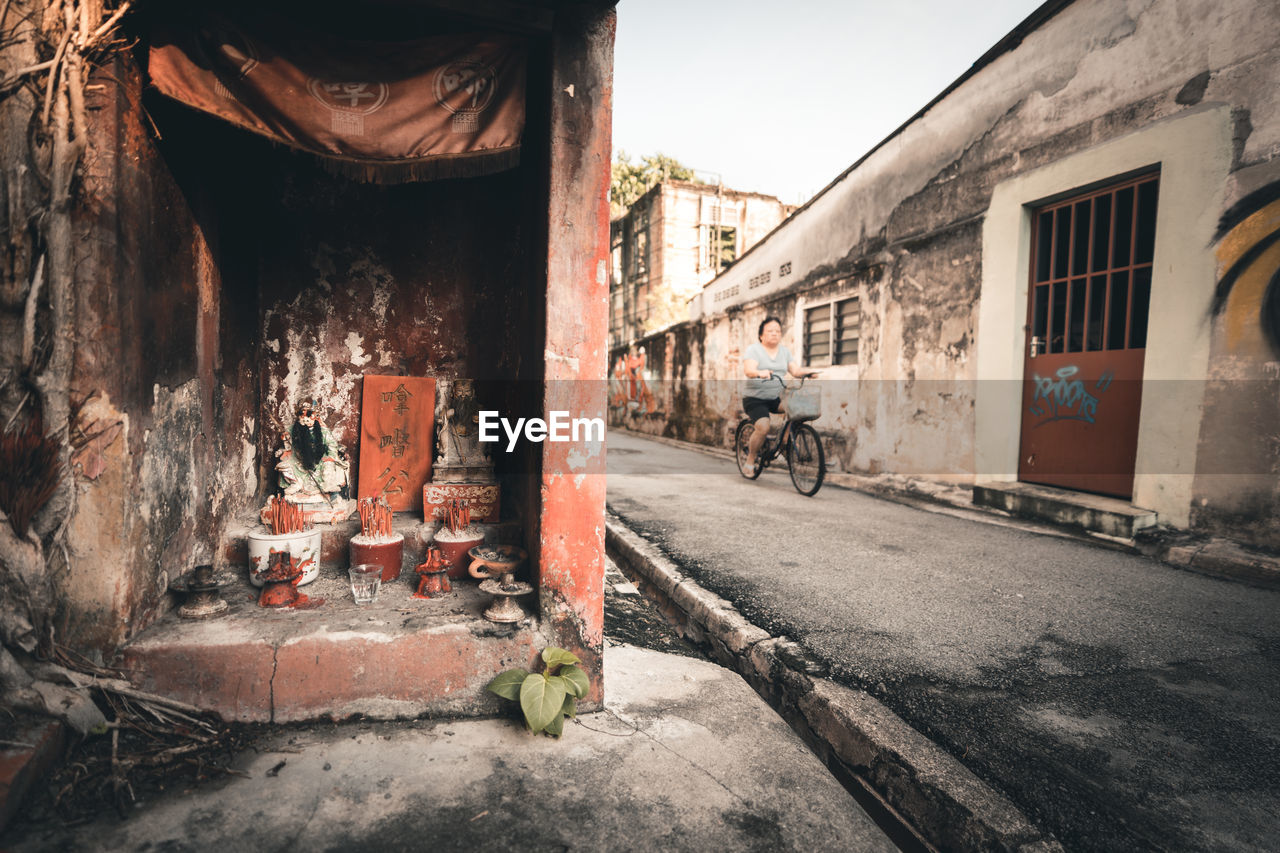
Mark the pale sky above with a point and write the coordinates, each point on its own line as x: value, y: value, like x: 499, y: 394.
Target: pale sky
x: 780, y: 98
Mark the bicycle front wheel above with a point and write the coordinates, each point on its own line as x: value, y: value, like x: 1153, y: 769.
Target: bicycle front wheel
x: 741, y: 448
x: 806, y: 461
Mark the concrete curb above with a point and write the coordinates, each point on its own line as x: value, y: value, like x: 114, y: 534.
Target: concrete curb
x: 856, y: 736
x: 1222, y: 558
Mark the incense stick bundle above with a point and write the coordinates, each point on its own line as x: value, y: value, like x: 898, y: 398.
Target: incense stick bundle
x: 375, y: 517
x: 457, y: 514
x: 285, y: 517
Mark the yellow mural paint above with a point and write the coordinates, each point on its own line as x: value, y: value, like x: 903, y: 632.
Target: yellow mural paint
x: 1244, y: 304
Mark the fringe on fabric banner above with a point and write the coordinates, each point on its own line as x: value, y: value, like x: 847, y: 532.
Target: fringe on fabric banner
x: 382, y: 112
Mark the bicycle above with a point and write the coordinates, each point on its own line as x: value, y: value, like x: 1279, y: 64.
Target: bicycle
x: 799, y: 441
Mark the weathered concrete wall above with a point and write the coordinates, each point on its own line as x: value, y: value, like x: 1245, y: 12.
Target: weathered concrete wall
x: 571, y: 544
x: 903, y: 231
x: 679, y: 261
x: 330, y: 279
x: 418, y: 280
x: 147, y: 464
x: 1237, y: 486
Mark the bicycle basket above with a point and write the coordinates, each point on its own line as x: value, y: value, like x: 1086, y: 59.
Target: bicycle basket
x: 803, y: 404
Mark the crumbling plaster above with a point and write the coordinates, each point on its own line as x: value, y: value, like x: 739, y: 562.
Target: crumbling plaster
x: 148, y: 433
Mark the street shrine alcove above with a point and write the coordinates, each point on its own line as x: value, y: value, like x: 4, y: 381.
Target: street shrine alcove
x: 300, y: 276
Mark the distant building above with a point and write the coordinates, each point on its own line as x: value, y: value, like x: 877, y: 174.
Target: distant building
x: 675, y: 239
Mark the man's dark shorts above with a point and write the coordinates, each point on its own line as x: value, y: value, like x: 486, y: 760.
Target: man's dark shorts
x: 757, y: 408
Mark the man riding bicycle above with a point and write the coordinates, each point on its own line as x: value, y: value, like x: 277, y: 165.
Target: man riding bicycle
x: 762, y: 393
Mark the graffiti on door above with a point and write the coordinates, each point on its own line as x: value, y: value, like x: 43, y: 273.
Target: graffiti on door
x: 1064, y: 397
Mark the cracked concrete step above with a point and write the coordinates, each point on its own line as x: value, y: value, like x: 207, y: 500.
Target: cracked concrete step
x: 1094, y: 513
x: 684, y: 756
x: 399, y: 657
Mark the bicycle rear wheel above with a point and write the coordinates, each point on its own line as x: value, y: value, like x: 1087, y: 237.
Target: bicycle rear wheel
x: 741, y: 449
x: 805, y: 460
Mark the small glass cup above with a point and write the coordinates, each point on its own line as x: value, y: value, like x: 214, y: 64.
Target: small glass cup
x: 366, y: 578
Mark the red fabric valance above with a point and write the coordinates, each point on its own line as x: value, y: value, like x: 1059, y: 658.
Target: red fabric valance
x: 445, y: 106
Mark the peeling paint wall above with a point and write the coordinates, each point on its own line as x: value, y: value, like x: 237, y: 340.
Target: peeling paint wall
x: 679, y: 262
x: 571, y: 541
x: 420, y: 280
x: 146, y: 467
x: 902, y: 231
x: 327, y: 280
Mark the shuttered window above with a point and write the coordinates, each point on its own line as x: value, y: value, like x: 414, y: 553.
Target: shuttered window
x: 831, y: 333
x: 817, y: 335
x: 848, y: 325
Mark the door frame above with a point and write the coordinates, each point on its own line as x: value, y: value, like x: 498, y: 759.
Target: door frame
x: 1193, y: 152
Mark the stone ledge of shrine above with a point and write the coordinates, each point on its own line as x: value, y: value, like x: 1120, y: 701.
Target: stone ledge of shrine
x: 397, y: 658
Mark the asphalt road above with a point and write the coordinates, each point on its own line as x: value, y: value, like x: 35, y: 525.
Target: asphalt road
x: 1121, y: 703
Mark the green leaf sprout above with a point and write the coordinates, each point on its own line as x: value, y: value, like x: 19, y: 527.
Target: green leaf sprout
x: 545, y: 697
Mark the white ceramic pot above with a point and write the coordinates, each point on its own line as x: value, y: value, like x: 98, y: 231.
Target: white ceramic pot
x: 303, y: 549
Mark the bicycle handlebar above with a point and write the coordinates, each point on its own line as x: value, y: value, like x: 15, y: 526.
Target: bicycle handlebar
x: 781, y: 378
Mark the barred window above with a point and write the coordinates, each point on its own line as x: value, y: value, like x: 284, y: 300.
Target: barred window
x: 1092, y: 269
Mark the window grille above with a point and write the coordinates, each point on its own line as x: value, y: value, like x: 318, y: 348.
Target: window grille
x: 848, y: 320
x: 1091, y: 268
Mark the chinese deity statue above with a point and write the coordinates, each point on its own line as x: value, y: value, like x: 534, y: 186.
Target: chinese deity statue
x: 313, y: 469
x: 459, y: 449
x: 463, y: 469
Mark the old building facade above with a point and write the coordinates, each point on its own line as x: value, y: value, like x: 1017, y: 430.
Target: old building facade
x: 1062, y: 271
x: 675, y: 239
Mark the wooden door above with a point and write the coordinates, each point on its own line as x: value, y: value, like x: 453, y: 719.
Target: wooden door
x: 1091, y: 286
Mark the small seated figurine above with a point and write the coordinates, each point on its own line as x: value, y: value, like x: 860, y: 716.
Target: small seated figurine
x: 458, y: 427
x: 313, y: 469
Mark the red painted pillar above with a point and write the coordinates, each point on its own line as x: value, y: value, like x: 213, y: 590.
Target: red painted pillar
x: 573, y: 483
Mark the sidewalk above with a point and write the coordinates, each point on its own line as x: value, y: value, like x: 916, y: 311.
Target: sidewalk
x: 685, y: 756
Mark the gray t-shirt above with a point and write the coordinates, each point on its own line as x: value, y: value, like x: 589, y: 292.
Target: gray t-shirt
x: 766, y: 389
